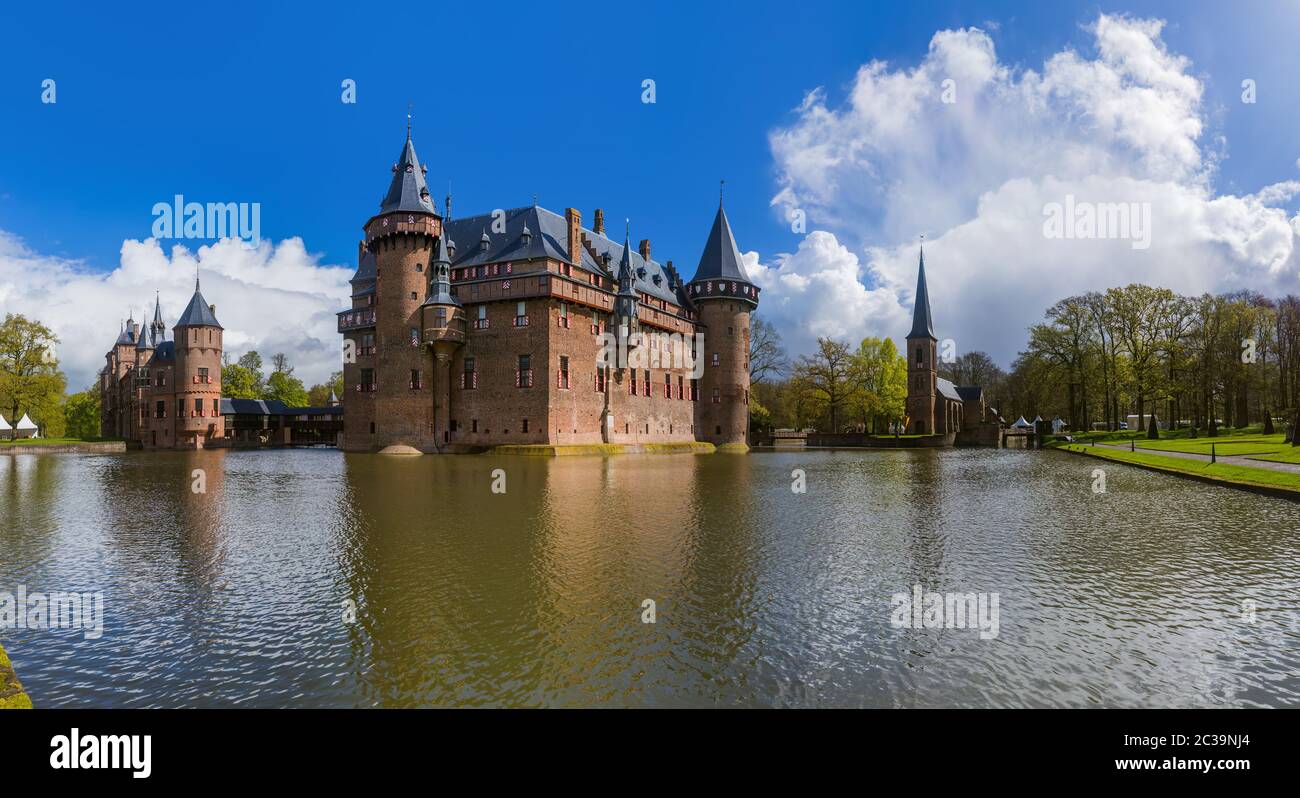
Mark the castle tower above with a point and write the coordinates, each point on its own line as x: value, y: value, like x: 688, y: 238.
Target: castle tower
x: 140, y: 386
x: 394, y: 402
x: 724, y: 297
x: 443, y: 326
x: 922, y: 377
x: 122, y: 362
x: 198, y: 345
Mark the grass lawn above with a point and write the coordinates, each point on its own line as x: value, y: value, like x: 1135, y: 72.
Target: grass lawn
x: 1232, y: 445
x: 51, y: 441
x: 1126, y: 435
x: 1243, y: 475
x: 1288, y: 454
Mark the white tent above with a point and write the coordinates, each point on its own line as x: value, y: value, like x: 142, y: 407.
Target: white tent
x: 1021, y: 423
x: 4, y: 425
x: 25, y: 428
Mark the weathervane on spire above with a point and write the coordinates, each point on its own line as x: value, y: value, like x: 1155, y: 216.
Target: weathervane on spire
x: 409, y: 107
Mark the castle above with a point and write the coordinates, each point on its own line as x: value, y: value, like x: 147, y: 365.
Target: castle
x: 165, y: 394
x: 934, y: 405
x: 495, y: 329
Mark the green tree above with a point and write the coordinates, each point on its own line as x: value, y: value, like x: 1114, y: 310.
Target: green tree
x: 81, y: 414
x: 238, y: 382
x: 286, y: 388
x: 827, y: 381
x: 30, y: 380
x: 320, y: 394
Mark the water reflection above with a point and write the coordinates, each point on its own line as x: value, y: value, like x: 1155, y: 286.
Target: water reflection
x: 237, y: 594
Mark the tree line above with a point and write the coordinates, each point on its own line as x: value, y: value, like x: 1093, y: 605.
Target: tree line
x: 838, y: 387
x: 244, y: 379
x: 1208, y: 361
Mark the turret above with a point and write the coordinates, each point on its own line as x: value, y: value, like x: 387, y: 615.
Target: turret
x: 443, y: 326
x: 723, y: 297
x: 625, y: 302
x: 198, y: 373
x: 922, y: 376
x: 402, y: 238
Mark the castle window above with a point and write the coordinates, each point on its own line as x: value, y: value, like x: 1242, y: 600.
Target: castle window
x: 521, y: 314
x: 372, y: 428
x: 646, y: 388
x: 416, y: 382
x: 920, y: 357
x: 216, y: 407
x: 203, y: 378
x: 367, y: 380
x: 668, y: 386
x: 180, y: 408
x: 414, y: 295
x: 415, y: 336
x: 160, y: 410
x: 695, y: 390
x: 680, y: 392
x: 469, y: 377
x: 562, y: 376
x: 717, y: 396
x: 481, y: 323
x: 523, y: 425
x: 563, y: 320
x: 439, y: 318
x: 524, y: 374
x: 632, y: 391
x: 419, y: 267
x: 473, y: 425
x: 600, y: 381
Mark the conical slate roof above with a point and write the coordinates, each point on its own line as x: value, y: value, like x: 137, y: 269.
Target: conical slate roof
x: 408, y: 191
x: 721, y: 258
x: 922, y: 323
x: 198, y: 313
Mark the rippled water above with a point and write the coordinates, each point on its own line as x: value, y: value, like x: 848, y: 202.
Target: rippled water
x: 764, y: 597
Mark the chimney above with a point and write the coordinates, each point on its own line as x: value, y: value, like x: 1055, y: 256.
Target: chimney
x: 135, y: 331
x: 600, y: 222
x: 213, y: 309
x: 574, y: 219
x: 645, y: 248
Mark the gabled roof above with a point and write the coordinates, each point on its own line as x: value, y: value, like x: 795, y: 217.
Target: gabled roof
x: 721, y: 257
x: 198, y: 313
x: 922, y: 324
x: 947, y: 389
x: 408, y: 191
x: 126, y: 336
x: 549, y: 237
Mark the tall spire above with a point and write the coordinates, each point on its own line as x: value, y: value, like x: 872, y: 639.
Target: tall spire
x: 407, y: 191
x: 922, y: 323
x: 157, y: 328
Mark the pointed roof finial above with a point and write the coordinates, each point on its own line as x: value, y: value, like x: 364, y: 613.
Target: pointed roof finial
x: 409, y: 106
x: 721, y: 185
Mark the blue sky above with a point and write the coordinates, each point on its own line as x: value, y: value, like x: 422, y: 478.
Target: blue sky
x: 242, y: 104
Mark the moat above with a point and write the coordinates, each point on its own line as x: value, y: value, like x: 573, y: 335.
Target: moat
x: 237, y: 596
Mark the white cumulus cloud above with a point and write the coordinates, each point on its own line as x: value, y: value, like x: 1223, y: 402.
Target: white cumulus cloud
x: 275, y: 298
x: 1122, y: 123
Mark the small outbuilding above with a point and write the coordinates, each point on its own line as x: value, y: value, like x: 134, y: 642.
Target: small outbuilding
x: 25, y: 428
